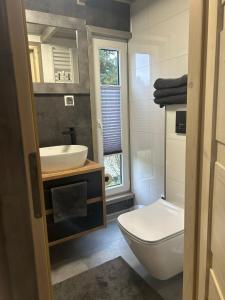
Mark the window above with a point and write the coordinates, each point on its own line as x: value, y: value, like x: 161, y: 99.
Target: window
x: 112, y: 114
x: 113, y: 170
x: 109, y: 67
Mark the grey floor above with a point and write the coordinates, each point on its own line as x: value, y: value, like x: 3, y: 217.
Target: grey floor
x: 74, y: 257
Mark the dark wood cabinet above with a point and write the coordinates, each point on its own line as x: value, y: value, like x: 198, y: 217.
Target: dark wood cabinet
x: 72, y: 228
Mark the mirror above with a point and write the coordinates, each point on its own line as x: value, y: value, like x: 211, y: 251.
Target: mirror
x: 58, y: 51
x: 53, y: 54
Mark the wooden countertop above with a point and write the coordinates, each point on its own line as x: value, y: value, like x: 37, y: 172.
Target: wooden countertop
x: 90, y: 166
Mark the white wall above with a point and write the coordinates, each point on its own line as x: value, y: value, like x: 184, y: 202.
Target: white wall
x: 158, y: 49
x: 175, y: 158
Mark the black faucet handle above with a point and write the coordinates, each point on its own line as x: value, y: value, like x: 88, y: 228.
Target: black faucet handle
x: 71, y: 131
x: 68, y: 130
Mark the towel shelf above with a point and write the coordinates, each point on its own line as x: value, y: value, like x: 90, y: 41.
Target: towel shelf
x: 89, y: 201
x: 93, y: 174
x: 74, y: 236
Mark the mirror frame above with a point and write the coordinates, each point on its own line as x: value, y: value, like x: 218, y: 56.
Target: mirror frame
x: 83, y: 86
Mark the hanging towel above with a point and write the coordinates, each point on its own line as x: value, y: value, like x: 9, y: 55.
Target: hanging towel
x: 69, y: 201
x: 170, y: 92
x: 177, y: 99
x: 170, y: 83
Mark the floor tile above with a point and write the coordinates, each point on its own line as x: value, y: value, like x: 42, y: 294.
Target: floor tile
x: 75, y: 257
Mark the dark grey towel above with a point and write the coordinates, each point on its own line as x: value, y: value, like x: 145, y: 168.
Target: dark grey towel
x: 177, y: 99
x: 69, y: 201
x: 161, y: 83
x: 170, y: 92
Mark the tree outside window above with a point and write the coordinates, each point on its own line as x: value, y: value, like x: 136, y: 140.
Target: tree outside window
x: 109, y: 67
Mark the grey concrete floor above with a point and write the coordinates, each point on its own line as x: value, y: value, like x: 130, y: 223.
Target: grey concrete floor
x: 74, y: 257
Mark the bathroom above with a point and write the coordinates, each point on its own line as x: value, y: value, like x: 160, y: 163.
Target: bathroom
x: 151, y: 164
x: 109, y: 89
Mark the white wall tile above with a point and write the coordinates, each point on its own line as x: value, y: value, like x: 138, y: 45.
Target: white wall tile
x: 170, y: 68
x: 145, y: 116
x: 148, y: 190
x: 175, y: 192
x: 140, y: 74
x: 144, y: 141
x: 149, y: 13
x: 175, y: 157
x: 168, y: 40
x: 159, y: 48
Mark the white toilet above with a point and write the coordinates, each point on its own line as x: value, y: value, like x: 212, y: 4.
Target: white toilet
x: 155, y: 234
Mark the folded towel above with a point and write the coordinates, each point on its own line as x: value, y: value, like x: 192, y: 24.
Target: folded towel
x: 170, y: 92
x: 177, y: 99
x: 69, y: 201
x: 170, y: 83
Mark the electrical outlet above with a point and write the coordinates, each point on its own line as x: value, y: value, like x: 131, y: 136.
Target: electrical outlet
x: 69, y: 100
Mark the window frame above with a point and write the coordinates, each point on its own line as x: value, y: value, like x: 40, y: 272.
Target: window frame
x: 121, y: 47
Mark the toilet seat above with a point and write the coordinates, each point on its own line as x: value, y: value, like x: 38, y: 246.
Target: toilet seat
x: 155, y: 243
x: 155, y: 223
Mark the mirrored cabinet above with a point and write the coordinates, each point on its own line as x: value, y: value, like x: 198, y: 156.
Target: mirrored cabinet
x: 58, y: 50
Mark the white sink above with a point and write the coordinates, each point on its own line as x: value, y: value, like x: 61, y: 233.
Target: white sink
x: 60, y: 158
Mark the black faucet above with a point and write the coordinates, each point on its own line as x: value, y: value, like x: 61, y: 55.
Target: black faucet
x: 71, y: 131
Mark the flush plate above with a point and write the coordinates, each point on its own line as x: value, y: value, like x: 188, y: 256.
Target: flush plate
x: 180, y: 122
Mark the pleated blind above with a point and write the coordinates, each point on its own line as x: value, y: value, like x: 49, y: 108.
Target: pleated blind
x: 111, y: 119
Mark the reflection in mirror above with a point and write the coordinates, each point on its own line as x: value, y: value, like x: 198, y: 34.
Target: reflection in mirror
x: 53, y: 54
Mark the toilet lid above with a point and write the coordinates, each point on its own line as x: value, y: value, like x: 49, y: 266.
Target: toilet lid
x: 155, y: 222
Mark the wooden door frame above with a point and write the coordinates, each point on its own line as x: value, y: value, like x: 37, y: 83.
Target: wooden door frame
x: 24, y: 257
x: 193, y: 143
x: 209, y: 149
x: 205, y: 20
x: 197, y: 36
x: 26, y: 142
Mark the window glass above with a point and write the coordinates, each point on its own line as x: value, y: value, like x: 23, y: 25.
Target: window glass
x: 109, y: 66
x: 113, y: 169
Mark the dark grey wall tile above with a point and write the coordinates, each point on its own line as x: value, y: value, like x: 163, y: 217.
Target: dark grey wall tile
x: 119, y: 206
x: 103, y: 13
x: 60, y: 7
x: 109, y: 14
x: 53, y: 117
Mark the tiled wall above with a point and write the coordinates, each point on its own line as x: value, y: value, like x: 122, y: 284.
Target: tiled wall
x: 175, y: 158
x: 103, y: 13
x: 54, y: 117
x: 158, y: 49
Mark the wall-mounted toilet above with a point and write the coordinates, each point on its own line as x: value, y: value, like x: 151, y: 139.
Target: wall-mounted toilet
x: 155, y: 234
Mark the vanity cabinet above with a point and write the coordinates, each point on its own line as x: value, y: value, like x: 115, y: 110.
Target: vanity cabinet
x: 72, y: 228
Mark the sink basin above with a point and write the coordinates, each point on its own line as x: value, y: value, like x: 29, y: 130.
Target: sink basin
x: 60, y: 158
